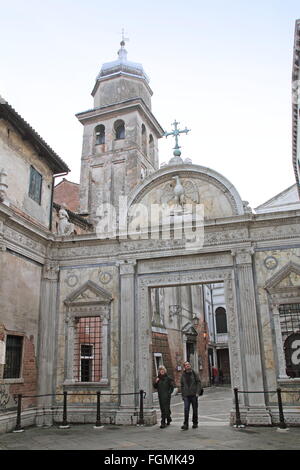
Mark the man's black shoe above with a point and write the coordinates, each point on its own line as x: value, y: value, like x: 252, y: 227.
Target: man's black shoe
x: 169, y: 421
x: 195, y: 426
x: 184, y: 427
x: 162, y: 425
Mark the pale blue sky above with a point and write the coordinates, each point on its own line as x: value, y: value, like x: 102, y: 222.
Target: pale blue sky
x: 221, y: 68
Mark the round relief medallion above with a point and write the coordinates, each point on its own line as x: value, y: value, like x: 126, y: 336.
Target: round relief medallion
x: 72, y: 280
x: 104, y: 277
x: 270, y: 262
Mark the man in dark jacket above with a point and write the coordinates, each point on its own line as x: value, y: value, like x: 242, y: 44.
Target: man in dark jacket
x: 165, y: 386
x: 190, y: 390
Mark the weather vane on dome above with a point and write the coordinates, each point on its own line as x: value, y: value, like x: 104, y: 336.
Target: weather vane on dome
x: 175, y: 133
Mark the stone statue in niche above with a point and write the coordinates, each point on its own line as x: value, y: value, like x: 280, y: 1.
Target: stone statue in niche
x: 64, y: 226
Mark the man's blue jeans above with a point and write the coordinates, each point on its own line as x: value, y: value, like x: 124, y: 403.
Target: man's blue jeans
x: 193, y: 399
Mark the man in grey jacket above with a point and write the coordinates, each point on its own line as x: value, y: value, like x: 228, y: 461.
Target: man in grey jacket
x: 190, y: 390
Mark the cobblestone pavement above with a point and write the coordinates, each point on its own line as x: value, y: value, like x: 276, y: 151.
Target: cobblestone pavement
x: 213, y: 433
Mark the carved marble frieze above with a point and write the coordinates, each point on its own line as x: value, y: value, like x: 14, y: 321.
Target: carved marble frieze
x: 150, y: 245
x: 23, y: 243
x: 186, y: 263
x: 276, y: 230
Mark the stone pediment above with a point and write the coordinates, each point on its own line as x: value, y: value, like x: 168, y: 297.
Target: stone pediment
x: 89, y: 293
x: 288, y: 278
x: 189, y: 184
x: 189, y: 329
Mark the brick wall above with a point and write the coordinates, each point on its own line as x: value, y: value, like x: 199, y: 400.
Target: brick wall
x: 66, y: 192
x: 160, y: 344
x: 28, y: 374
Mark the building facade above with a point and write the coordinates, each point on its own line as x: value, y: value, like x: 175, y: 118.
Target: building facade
x: 171, y: 264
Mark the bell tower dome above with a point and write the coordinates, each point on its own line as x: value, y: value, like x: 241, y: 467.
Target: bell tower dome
x: 120, y: 134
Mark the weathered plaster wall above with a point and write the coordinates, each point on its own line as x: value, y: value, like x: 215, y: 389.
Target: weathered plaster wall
x: 20, y: 283
x: 119, y: 89
x: 16, y: 157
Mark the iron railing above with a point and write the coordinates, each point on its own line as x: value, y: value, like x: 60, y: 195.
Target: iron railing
x: 282, y: 423
x: 65, y: 423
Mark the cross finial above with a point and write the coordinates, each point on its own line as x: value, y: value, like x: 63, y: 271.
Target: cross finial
x: 123, y: 38
x: 175, y: 133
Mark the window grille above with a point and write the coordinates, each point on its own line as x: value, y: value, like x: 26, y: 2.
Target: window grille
x: 88, y: 349
x: 289, y: 319
x: 13, y: 357
x: 290, y: 329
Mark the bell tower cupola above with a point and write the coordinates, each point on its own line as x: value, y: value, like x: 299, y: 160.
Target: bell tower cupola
x: 120, y: 134
x: 110, y: 83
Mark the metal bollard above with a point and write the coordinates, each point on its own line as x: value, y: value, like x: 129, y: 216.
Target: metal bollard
x: 141, y: 418
x: 64, y: 424
x: 238, y: 421
x: 18, y: 427
x: 98, y: 418
x: 282, y: 423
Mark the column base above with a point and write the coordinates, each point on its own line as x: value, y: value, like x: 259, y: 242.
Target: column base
x: 252, y: 417
x: 130, y: 416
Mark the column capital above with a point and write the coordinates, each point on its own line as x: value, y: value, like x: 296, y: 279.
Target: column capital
x: 50, y: 270
x: 243, y: 255
x: 127, y: 266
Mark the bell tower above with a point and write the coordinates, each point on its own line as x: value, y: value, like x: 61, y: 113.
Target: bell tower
x: 120, y: 135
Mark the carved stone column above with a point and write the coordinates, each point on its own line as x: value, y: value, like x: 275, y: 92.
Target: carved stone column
x: 252, y: 377
x: 70, y: 322
x: 47, y: 334
x: 127, y: 333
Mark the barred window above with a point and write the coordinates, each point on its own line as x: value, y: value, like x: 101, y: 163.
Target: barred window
x: 290, y: 329
x: 13, y: 357
x: 35, y: 185
x: 88, y: 349
x: 289, y: 319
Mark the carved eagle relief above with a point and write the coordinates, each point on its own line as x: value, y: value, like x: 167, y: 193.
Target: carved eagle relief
x: 179, y: 192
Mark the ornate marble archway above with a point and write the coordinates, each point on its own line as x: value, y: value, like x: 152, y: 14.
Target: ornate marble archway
x: 235, y: 270
x: 145, y: 282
